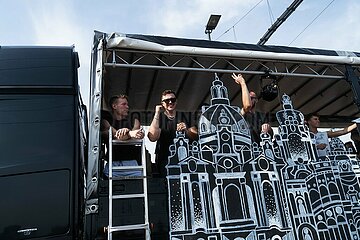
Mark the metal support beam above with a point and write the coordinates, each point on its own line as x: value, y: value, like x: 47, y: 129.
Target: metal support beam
x: 354, y: 82
x: 279, y: 21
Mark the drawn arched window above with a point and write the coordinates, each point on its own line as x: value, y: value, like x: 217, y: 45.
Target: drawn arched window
x: 203, y: 127
x: 321, y: 225
x: 271, y: 204
x: 297, y: 147
x: 234, y: 204
x: 223, y: 92
x: 323, y: 190
x: 341, y: 219
x: 235, y: 128
x: 314, y: 195
x: 226, y: 148
x: 302, y: 174
x: 307, y: 234
x: 214, y: 92
x: 182, y: 153
x: 197, y: 212
x: 301, y: 207
x: 333, y: 189
x: 331, y: 222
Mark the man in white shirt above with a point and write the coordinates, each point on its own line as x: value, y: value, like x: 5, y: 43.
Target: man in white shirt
x: 322, y: 138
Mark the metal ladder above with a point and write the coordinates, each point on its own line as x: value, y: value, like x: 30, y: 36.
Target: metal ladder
x: 145, y: 226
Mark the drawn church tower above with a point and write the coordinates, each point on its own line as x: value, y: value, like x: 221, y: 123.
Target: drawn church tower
x: 266, y: 185
x: 225, y: 140
x: 191, y: 209
x: 313, y: 193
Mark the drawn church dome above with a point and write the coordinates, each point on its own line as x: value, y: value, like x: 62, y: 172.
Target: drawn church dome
x: 219, y: 114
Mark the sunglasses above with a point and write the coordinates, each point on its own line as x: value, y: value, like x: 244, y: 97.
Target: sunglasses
x: 167, y: 101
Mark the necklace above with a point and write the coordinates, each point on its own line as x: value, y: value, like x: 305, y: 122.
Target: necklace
x: 171, y: 117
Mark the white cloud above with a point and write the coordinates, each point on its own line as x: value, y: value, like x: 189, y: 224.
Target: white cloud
x: 188, y: 18
x: 337, y: 30
x: 58, y: 25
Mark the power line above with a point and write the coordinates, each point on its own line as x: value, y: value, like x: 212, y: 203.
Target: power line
x: 240, y: 19
x: 311, y: 23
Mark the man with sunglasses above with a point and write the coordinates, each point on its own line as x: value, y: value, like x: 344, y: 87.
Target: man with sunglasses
x: 163, y: 128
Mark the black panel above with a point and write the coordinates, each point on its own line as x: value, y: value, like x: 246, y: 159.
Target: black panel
x: 37, y: 205
x: 37, y: 133
x: 37, y: 166
x: 37, y: 66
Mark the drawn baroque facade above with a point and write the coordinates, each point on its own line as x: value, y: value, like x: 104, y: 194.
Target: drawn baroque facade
x: 225, y: 187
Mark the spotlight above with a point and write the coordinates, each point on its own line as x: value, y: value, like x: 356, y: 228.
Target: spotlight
x: 270, y: 91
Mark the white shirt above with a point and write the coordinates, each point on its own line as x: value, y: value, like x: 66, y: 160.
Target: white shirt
x: 322, y: 137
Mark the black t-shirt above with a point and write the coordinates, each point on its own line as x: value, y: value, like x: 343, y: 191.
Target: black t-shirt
x: 120, y: 152
x: 167, y: 135
x: 255, y: 121
x: 123, y: 123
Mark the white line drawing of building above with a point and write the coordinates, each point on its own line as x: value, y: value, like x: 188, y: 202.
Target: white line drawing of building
x: 225, y: 187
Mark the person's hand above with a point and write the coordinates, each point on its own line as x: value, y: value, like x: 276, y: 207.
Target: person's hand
x: 321, y: 146
x: 138, y: 133
x: 238, y: 78
x: 265, y: 128
x: 158, y: 108
x: 121, y: 133
x: 181, y: 126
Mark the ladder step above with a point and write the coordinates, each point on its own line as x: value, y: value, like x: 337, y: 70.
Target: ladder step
x: 125, y: 196
x: 128, y: 177
x: 128, y: 168
x: 128, y: 227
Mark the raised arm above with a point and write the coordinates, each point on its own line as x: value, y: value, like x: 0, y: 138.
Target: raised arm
x: 341, y: 132
x: 246, y: 101
x: 154, y: 129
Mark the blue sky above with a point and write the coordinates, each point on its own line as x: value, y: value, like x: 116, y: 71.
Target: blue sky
x: 72, y: 22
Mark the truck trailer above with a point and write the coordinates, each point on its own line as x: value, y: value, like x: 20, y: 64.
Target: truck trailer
x: 222, y: 186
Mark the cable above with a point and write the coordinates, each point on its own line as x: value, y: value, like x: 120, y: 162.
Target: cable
x: 240, y: 19
x: 271, y: 15
x: 235, y: 38
x: 310, y: 23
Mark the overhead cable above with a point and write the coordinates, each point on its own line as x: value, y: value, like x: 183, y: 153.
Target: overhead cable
x: 310, y: 23
x: 240, y: 19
